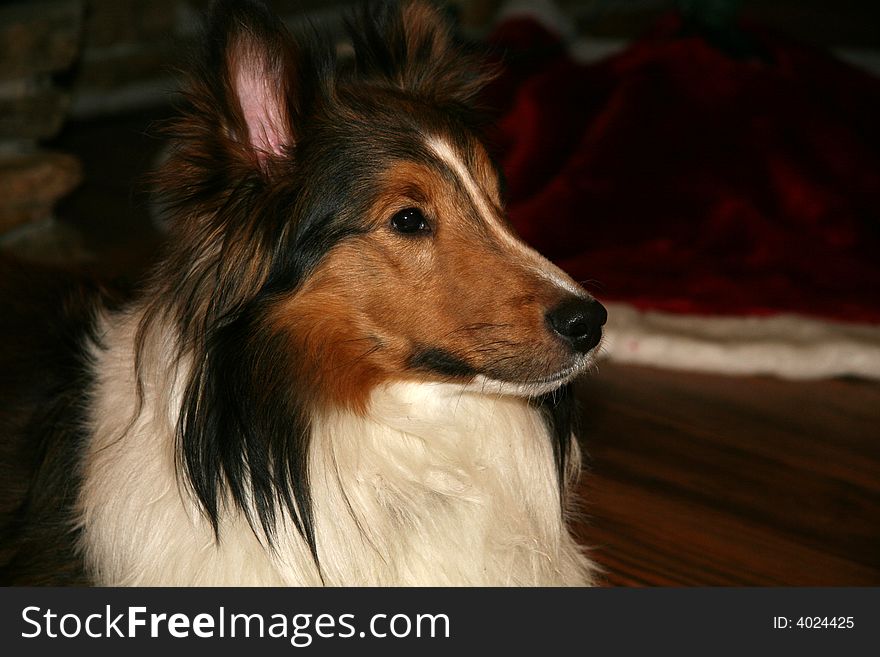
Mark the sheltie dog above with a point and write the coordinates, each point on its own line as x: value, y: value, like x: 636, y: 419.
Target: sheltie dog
x: 345, y: 370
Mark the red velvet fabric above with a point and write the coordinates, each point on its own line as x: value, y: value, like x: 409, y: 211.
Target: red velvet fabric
x: 676, y: 178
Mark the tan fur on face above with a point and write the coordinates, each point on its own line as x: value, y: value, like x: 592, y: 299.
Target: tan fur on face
x: 467, y: 288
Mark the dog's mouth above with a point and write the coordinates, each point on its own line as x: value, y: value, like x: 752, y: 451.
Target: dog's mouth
x: 486, y: 380
x: 487, y: 384
x: 564, y: 376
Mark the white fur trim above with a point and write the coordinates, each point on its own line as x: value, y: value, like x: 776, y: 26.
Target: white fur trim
x: 789, y: 346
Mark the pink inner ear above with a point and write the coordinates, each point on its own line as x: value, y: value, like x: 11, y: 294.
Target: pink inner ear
x: 262, y: 105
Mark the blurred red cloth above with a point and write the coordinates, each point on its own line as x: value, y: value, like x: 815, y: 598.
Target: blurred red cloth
x: 676, y: 178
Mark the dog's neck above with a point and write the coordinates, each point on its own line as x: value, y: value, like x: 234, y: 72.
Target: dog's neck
x: 432, y: 485
x: 440, y: 486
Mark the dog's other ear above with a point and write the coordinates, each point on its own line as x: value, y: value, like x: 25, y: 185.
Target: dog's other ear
x: 246, y: 77
x: 412, y: 47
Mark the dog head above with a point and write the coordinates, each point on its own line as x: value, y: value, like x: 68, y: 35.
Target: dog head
x: 350, y: 203
x: 339, y: 225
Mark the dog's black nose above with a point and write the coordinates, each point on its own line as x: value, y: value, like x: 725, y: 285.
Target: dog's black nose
x: 579, y: 321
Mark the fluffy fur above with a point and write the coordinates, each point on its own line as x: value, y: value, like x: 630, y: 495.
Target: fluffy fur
x: 346, y: 370
x: 432, y: 486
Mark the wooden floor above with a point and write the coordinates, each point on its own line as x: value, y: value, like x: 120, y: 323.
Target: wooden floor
x: 711, y: 480
x: 694, y: 479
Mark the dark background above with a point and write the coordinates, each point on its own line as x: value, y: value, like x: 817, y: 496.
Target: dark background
x: 692, y: 479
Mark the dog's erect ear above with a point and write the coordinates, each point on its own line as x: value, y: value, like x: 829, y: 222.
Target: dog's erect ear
x: 230, y: 144
x: 246, y: 78
x: 412, y: 47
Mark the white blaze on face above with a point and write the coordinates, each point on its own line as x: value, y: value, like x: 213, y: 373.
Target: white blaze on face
x: 531, y: 258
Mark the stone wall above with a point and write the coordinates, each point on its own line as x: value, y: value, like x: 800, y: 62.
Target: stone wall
x: 39, y: 42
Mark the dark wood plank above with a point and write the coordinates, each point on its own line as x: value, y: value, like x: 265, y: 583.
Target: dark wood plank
x: 711, y: 480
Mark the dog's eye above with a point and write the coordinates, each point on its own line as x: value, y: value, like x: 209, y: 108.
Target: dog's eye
x: 409, y: 221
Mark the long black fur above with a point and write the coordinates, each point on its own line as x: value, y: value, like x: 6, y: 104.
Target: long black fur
x: 560, y: 412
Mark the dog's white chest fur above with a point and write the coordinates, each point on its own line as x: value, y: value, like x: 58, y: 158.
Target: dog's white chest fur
x: 434, y: 486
